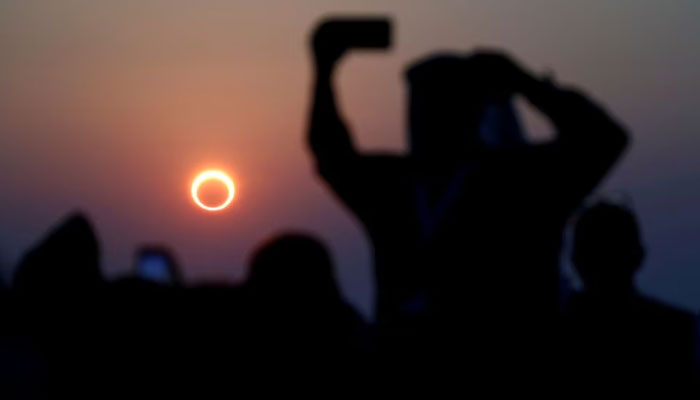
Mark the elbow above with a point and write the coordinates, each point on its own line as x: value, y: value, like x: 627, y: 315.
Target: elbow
x: 315, y: 143
x: 611, y: 133
x: 317, y: 157
x: 620, y: 138
x: 320, y: 157
x: 324, y: 170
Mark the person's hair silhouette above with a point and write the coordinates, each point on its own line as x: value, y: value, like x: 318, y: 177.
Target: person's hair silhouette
x: 67, y: 260
x: 607, y: 250
x: 292, y: 267
x: 293, y: 262
x: 297, y: 306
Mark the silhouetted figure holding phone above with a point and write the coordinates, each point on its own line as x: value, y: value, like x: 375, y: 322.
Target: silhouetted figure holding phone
x: 462, y: 229
x: 616, y: 332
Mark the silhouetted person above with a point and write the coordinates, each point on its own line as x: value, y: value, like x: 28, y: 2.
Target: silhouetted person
x: 615, y: 332
x: 58, y: 286
x: 462, y: 229
x: 22, y: 366
x: 297, y: 307
x: 5, y: 298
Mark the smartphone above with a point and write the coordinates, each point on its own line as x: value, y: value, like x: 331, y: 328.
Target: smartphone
x: 155, y: 264
x: 359, y: 32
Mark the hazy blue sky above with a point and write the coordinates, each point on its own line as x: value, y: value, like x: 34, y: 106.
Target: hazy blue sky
x: 113, y: 106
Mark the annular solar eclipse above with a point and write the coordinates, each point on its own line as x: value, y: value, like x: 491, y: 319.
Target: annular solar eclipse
x: 215, y: 175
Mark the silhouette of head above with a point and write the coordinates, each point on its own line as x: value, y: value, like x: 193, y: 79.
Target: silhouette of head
x: 607, y: 248
x: 66, y: 260
x: 292, y: 267
x: 449, y: 98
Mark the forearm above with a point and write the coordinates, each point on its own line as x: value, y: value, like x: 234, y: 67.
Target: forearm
x: 544, y: 96
x: 575, y: 117
x: 328, y: 135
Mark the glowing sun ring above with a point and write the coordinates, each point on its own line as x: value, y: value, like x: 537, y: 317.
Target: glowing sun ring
x: 219, y: 176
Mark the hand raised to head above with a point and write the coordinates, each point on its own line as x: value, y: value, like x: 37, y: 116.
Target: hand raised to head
x: 498, y: 71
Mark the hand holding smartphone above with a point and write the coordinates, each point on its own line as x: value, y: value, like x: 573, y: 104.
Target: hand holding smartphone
x: 155, y: 264
x: 333, y: 37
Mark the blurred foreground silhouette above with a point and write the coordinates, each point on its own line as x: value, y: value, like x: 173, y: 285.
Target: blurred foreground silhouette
x: 466, y: 232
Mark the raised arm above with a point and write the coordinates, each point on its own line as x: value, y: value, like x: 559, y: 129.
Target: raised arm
x: 588, y: 141
x: 328, y: 137
x: 577, y: 119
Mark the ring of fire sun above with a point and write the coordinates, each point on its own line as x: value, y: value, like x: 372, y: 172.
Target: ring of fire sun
x: 216, y: 175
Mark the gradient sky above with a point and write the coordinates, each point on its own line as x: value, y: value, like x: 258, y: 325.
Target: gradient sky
x: 113, y: 106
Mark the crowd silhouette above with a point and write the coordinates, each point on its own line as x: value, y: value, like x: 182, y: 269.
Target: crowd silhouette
x: 466, y: 231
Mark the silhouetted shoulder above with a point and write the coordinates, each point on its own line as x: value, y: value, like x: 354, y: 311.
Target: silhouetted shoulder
x: 671, y: 314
